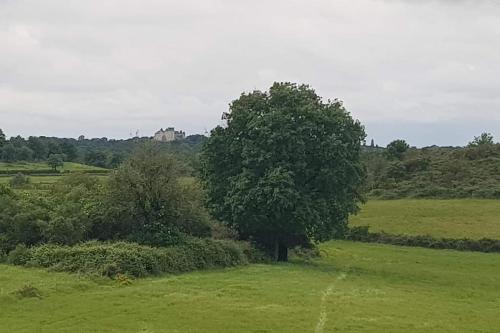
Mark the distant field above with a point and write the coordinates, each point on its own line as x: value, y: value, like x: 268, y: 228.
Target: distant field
x: 354, y: 287
x: 40, y: 181
x: 69, y: 166
x: 439, y: 218
x: 35, y: 179
x: 44, y: 180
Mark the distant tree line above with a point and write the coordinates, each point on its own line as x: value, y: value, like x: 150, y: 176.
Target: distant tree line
x: 100, y: 152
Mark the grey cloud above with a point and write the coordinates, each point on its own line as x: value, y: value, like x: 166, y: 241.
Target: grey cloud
x: 105, y: 68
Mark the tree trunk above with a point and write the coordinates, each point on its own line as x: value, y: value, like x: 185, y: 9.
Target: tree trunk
x: 282, y: 252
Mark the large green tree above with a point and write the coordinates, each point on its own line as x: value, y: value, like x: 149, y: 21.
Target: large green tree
x: 286, y: 169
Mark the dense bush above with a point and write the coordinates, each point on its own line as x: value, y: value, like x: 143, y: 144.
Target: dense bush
x: 146, y: 201
x: 362, y: 234
x: 110, y: 259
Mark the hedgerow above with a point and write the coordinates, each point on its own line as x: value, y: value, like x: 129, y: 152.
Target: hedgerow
x: 131, y: 259
x: 362, y: 234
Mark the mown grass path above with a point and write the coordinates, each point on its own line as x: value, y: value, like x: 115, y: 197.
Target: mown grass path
x: 354, y: 287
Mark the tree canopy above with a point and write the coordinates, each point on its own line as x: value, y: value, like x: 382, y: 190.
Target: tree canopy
x: 2, y: 138
x: 55, y: 161
x: 396, y: 149
x: 286, y: 169
x: 482, y: 140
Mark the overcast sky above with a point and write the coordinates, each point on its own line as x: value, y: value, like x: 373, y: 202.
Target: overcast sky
x: 425, y: 71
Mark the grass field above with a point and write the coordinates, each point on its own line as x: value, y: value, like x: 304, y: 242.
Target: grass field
x: 35, y: 179
x: 439, y: 218
x: 68, y: 166
x: 353, y: 288
x: 43, y: 180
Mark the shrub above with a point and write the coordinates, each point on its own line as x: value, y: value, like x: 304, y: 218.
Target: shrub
x: 134, y: 260
x: 18, y: 256
x: 28, y: 291
x: 19, y: 181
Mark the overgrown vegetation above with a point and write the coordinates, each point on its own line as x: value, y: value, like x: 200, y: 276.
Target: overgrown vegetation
x: 434, y: 172
x: 133, y: 260
x: 146, y: 200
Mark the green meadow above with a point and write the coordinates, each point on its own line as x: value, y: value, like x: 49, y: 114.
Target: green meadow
x: 353, y: 287
x: 68, y: 166
x: 462, y: 218
x: 43, y: 181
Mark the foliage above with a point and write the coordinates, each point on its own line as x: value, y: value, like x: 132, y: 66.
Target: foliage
x: 396, y: 149
x: 111, y: 259
x: 96, y: 158
x: 9, y: 152
x: 434, y: 172
x: 2, y: 138
x: 286, y: 170
x: 55, y: 161
x: 483, y: 139
x: 60, y: 215
x: 146, y: 202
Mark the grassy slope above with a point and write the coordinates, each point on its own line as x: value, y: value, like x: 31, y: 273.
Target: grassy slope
x: 357, y: 287
x: 439, y: 218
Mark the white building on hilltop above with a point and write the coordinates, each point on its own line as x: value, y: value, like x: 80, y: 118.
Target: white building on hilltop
x: 169, y: 134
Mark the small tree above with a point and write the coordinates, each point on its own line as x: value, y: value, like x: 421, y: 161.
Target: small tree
x: 485, y: 139
x: 396, y: 149
x: 286, y: 169
x: 55, y: 161
x: 149, y: 203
